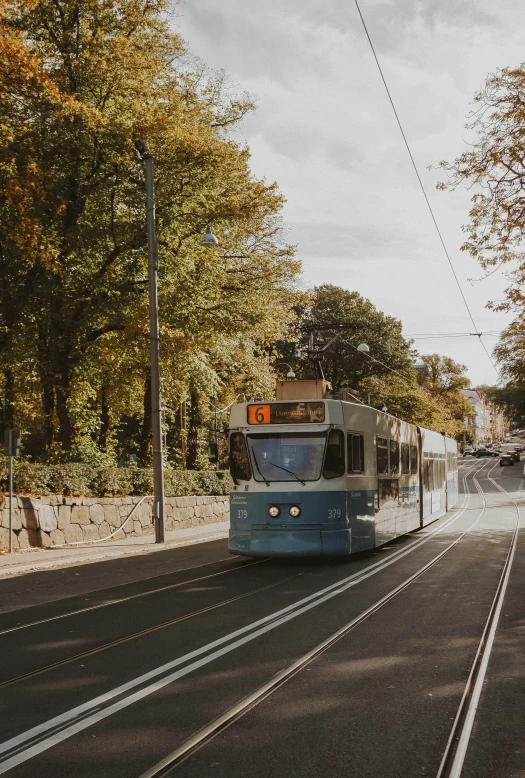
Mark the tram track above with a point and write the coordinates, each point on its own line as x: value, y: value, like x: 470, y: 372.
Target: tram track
x: 127, y: 598
x: 171, y: 622
x: 38, y: 739
x: 457, y: 745
x: 212, y: 730
x: 138, y: 634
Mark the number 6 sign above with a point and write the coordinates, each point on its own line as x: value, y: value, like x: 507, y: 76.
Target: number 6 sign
x: 258, y: 414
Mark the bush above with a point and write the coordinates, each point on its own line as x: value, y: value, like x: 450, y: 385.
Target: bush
x: 67, y: 478
x: 112, y: 481
x: 179, y: 483
x: 79, y: 479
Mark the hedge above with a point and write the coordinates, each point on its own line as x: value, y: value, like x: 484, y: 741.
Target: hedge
x: 78, y: 479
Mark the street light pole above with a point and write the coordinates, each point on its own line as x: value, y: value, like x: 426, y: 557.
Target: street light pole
x: 156, y: 408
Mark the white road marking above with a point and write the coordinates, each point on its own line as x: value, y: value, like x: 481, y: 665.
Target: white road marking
x: 255, y: 629
x: 488, y: 641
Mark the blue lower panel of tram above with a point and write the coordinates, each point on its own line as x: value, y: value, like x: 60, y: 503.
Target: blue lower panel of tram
x: 330, y: 523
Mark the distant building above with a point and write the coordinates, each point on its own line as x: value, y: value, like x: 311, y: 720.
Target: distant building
x: 486, y: 422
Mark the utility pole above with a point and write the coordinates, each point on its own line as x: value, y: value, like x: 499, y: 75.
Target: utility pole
x: 156, y: 412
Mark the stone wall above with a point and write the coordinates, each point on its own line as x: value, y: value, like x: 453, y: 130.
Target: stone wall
x: 56, y: 520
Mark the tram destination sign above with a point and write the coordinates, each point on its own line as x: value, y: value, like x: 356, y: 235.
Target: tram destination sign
x: 286, y: 413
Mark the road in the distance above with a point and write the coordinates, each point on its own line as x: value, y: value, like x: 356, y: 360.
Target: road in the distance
x: 154, y: 658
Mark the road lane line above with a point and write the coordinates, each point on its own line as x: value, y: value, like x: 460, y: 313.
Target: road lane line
x: 459, y: 739
x: 255, y: 629
x: 242, y: 707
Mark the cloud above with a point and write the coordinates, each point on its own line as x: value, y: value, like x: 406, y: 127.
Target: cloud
x: 324, y: 130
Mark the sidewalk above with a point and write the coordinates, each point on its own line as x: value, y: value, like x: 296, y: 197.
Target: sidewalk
x: 46, y: 558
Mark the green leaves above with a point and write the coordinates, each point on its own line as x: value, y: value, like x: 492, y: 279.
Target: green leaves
x: 73, y: 246
x: 495, y: 164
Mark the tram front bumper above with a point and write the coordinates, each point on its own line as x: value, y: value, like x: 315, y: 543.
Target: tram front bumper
x: 274, y: 542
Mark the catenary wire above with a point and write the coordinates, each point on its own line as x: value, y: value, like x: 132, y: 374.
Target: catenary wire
x: 422, y: 186
x: 442, y: 335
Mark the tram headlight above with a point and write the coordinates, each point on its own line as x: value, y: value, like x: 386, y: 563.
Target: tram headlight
x: 274, y: 511
x: 295, y: 511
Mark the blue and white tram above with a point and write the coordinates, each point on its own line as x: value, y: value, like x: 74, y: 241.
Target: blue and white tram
x: 329, y: 477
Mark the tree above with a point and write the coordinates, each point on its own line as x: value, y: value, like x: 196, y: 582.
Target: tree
x: 510, y: 353
x: 495, y: 164
x: 93, y: 78
x: 441, y: 375
x: 413, y: 403
x: 344, y: 366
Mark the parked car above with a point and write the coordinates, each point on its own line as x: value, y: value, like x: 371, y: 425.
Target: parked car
x: 484, y: 452
x: 506, y: 459
x: 468, y: 451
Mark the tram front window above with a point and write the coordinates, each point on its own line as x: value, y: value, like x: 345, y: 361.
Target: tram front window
x: 287, y: 456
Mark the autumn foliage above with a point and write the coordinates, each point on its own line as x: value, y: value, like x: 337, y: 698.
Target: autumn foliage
x: 80, y: 81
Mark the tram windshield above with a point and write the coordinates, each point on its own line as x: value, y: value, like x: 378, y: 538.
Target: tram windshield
x: 287, y: 456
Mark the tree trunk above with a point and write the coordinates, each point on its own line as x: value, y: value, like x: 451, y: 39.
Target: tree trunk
x: 194, y: 427
x: 104, y: 420
x: 145, y: 451
x: 9, y: 399
x: 48, y: 403
x: 65, y: 431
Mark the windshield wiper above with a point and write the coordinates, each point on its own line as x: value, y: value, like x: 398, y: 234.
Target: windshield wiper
x: 289, y: 471
x: 258, y: 468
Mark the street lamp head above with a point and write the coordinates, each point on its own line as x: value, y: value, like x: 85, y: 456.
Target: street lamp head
x: 140, y: 146
x: 364, y: 348
x: 290, y: 374
x: 209, y: 239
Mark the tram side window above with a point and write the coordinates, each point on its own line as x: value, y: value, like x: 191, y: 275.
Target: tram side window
x: 405, y: 458
x: 394, y: 457
x: 355, y: 447
x: 413, y: 460
x: 428, y: 472
x: 334, y: 461
x: 437, y: 473
x: 382, y: 456
x: 239, y: 463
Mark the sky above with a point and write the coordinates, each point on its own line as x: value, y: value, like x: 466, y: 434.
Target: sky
x: 325, y: 131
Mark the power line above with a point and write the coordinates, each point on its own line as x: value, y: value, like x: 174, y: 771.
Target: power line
x: 421, y: 185
x: 451, y: 334
x: 454, y: 335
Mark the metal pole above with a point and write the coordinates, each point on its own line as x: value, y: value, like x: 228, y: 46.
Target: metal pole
x: 10, y: 491
x: 156, y: 418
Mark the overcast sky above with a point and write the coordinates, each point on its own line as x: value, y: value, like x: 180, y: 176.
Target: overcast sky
x: 324, y: 130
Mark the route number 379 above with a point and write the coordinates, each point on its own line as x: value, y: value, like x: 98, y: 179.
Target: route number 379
x: 242, y: 514
x: 334, y: 513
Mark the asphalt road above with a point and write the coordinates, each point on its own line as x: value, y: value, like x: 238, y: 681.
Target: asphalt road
x: 107, y: 668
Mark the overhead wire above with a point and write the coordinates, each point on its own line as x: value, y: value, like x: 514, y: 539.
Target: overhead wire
x: 422, y: 186
x: 454, y: 335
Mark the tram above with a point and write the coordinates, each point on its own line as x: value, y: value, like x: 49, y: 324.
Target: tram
x: 327, y: 476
